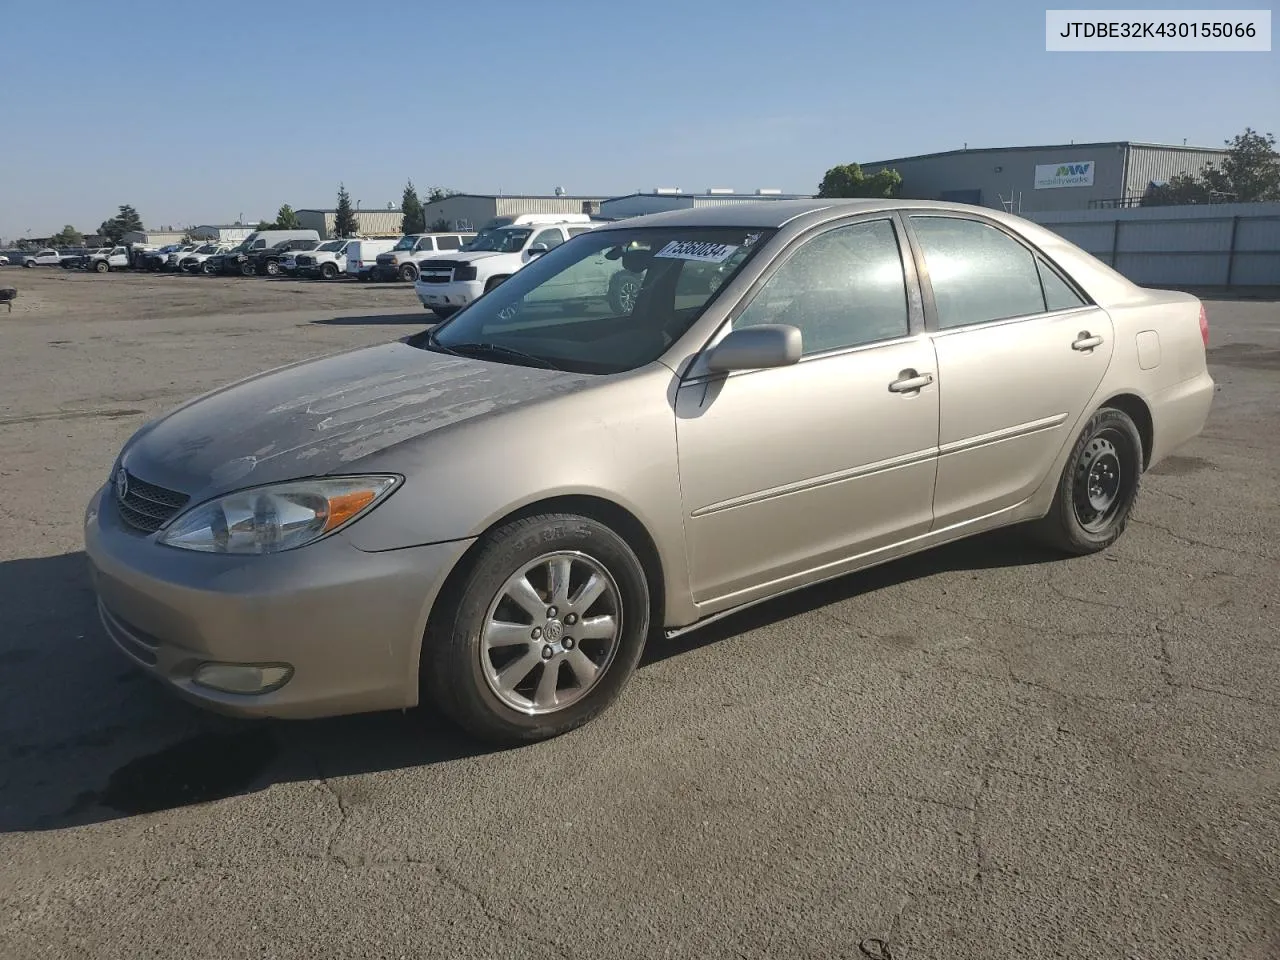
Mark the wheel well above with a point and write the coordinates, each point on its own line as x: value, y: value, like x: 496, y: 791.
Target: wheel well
x: 493, y: 282
x: 1140, y: 414
x: 618, y: 519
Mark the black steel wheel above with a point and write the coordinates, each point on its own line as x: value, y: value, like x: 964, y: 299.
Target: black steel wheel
x: 1098, y: 487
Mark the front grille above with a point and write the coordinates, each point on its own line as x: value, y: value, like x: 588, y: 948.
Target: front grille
x: 147, y: 507
x: 435, y: 275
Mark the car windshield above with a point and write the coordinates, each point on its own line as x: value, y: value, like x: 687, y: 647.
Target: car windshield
x: 505, y: 240
x: 207, y: 248
x: 604, y: 302
x: 406, y: 243
x: 331, y: 245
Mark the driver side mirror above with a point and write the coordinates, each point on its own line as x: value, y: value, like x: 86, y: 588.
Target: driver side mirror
x: 537, y: 250
x: 755, y: 348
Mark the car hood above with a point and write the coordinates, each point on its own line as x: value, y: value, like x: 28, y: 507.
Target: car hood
x: 322, y: 416
x: 464, y: 256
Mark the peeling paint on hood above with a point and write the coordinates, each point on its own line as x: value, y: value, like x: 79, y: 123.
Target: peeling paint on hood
x: 322, y: 416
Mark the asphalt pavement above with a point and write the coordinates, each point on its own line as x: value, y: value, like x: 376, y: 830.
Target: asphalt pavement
x: 985, y: 751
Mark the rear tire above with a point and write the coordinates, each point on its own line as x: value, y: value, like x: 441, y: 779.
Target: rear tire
x: 486, y: 668
x: 273, y: 268
x: 28, y: 264
x: 1098, y: 487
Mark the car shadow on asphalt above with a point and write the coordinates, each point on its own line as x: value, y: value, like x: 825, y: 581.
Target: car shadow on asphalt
x: 85, y: 737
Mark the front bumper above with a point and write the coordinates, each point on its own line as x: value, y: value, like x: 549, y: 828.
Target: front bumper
x: 349, y: 623
x: 453, y: 295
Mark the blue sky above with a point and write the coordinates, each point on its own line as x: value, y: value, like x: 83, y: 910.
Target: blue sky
x: 194, y: 113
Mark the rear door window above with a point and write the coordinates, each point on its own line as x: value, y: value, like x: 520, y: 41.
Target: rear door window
x: 448, y: 243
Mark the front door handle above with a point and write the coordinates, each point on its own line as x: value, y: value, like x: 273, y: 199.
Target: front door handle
x: 910, y: 382
x: 1086, y: 341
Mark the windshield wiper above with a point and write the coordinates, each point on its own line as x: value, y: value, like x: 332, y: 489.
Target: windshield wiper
x: 495, y: 349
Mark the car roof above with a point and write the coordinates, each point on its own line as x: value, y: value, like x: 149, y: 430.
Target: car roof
x: 767, y: 214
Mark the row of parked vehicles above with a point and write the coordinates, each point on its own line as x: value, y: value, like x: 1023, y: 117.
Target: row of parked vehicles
x: 448, y: 269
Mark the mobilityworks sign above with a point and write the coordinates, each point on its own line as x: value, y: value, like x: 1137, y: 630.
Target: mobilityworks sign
x: 1079, y: 173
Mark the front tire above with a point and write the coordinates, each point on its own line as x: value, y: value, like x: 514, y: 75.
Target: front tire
x: 28, y: 264
x: 102, y: 266
x: 1098, y: 487
x: 247, y: 270
x: 623, y: 290
x: 500, y: 657
x: 329, y: 271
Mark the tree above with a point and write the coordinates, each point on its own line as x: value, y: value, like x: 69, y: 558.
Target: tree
x: 1249, y: 172
x: 1180, y: 188
x: 1252, y: 166
x: 441, y: 225
x: 287, y: 219
x: 126, y: 221
x: 414, y: 220
x: 265, y: 225
x: 436, y: 194
x: 848, y: 180
x: 68, y: 236
x: 345, y: 222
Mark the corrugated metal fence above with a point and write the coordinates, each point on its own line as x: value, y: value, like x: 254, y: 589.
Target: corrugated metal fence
x: 1230, y: 244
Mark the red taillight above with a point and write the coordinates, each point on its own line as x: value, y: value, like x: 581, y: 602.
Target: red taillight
x: 1204, y: 326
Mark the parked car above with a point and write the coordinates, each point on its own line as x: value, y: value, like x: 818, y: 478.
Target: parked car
x: 327, y: 261
x: 4, y: 260
x: 116, y: 258
x: 867, y: 380
x: 153, y: 260
x: 362, y: 256
x: 401, y: 261
x: 43, y: 258
x: 449, y: 283
x: 192, y: 261
x: 266, y: 263
x: 237, y: 260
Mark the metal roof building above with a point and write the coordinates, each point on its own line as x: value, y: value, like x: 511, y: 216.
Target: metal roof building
x: 1072, y: 176
x: 371, y: 223
x: 471, y: 211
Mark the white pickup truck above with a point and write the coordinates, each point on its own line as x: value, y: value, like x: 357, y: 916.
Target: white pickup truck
x: 43, y: 258
x: 327, y: 261
x: 446, y: 283
x: 117, y: 258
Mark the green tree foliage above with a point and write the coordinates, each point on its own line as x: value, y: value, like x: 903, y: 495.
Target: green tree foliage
x: 345, y: 222
x: 265, y: 225
x: 414, y: 219
x: 287, y: 219
x: 848, y: 180
x: 126, y: 221
x: 68, y: 236
x: 440, y: 225
x: 1249, y: 172
x: 437, y: 194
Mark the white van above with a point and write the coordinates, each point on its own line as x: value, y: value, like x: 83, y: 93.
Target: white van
x: 362, y: 256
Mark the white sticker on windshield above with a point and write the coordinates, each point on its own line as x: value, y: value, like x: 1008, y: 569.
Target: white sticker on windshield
x: 697, y: 250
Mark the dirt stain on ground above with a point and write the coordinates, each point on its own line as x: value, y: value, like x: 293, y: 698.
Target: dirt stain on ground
x: 1182, y: 466
x: 1249, y: 355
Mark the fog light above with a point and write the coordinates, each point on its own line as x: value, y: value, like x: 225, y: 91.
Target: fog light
x: 243, y: 677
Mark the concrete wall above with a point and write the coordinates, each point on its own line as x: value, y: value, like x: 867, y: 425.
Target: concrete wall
x: 1229, y: 244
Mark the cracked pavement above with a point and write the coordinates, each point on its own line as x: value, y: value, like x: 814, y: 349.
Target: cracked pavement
x: 981, y: 752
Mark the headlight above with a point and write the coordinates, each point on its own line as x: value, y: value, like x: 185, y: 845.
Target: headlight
x: 465, y: 273
x: 279, y: 517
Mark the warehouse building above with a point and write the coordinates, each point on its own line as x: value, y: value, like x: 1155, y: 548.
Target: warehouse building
x: 673, y: 198
x: 154, y: 238
x: 370, y: 223
x: 221, y: 232
x: 471, y: 211
x: 1075, y: 176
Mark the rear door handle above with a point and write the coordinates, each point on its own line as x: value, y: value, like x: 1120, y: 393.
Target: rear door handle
x: 910, y: 382
x: 1086, y: 341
